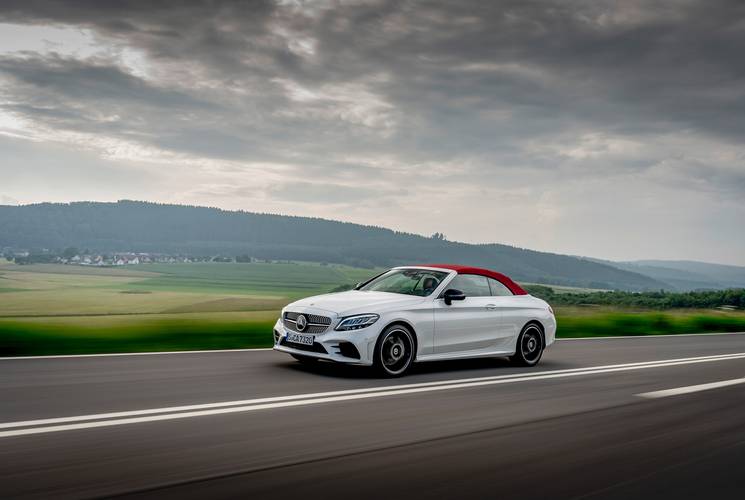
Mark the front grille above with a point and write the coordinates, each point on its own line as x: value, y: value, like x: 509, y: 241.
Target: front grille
x: 316, y: 347
x: 312, y: 318
x: 316, y: 323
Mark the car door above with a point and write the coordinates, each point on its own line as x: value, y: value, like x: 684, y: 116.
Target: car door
x: 510, y: 315
x: 466, y: 325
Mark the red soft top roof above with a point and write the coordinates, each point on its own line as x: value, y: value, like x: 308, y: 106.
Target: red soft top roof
x: 505, y: 280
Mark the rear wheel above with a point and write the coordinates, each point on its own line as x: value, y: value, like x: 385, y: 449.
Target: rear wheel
x: 394, y: 351
x: 529, y: 347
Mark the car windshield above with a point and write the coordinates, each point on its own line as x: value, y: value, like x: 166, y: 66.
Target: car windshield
x: 420, y: 282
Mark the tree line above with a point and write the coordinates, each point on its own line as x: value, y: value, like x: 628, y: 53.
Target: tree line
x: 705, y: 299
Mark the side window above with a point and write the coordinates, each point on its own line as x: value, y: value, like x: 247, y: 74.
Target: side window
x: 472, y: 285
x: 498, y: 289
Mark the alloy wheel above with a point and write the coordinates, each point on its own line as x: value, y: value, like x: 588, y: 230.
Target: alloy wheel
x: 396, y: 351
x: 531, y: 344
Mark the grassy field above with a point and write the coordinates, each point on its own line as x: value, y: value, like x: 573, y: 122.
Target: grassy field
x: 55, y: 309
x: 58, y: 290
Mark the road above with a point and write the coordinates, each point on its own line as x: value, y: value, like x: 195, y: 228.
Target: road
x: 588, y: 422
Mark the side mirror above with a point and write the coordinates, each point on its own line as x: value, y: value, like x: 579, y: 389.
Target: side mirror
x: 452, y: 294
x: 359, y: 285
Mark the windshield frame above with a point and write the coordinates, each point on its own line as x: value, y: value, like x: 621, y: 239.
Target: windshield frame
x: 396, y: 270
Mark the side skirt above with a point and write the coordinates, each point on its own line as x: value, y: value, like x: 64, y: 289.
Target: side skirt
x: 461, y: 355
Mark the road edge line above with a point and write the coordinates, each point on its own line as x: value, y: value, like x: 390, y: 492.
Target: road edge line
x: 655, y: 336
x: 144, y: 353
x: 257, y: 349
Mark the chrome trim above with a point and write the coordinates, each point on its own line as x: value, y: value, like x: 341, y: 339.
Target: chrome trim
x: 316, y: 323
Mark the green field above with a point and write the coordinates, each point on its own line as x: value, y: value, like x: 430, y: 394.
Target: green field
x: 56, y: 309
x: 56, y: 290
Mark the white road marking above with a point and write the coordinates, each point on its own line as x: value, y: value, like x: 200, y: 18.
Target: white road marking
x: 149, y: 353
x: 670, y: 335
x: 189, y: 411
x: 203, y: 406
x: 171, y: 409
x: 691, y: 388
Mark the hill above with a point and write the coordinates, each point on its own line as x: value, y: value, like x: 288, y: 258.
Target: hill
x: 722, y: 275
x: 682, y: 275
x: 149, y: 227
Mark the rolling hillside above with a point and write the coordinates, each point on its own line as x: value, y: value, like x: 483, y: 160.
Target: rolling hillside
x: 721, y: 275
x: 149, y: 227
x: 682, y: 275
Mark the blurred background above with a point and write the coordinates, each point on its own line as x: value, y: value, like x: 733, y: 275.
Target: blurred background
x: 135, y: 276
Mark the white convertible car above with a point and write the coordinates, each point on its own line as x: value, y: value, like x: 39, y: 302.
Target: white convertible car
x: 419, y: 313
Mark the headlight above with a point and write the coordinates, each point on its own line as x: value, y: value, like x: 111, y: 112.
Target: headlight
x: 356, y: 322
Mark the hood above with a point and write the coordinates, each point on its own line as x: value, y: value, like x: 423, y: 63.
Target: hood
x: 355, y: 301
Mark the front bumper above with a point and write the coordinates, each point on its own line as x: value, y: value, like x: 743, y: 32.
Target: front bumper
x: 352, y: 347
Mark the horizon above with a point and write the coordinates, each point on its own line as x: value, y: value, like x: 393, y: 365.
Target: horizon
x: 604, y: 129
x: 591, y: 257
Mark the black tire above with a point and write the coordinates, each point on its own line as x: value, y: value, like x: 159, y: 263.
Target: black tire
x: 394, y: 351
x: 307, y: 360
x: 529, y: 348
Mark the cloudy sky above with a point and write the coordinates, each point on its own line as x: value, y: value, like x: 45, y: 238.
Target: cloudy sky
x: 614, y: 129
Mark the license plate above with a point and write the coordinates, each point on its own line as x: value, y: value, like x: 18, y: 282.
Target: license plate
x: 300, y: 339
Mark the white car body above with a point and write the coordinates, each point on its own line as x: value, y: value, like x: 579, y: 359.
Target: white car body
x: 478, y: 326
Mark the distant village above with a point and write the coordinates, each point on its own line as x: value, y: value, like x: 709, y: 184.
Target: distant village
x: 126, y: 259
x: 86, y: 258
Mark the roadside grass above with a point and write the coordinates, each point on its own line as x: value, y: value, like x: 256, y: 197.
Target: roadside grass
x: 136, y: 333
x: 604, y: 322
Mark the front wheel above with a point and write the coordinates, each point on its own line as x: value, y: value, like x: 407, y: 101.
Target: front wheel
x: 529, y: 347
x: 394, y: 351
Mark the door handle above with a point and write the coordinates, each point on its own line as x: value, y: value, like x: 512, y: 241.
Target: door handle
x: 491, y: 307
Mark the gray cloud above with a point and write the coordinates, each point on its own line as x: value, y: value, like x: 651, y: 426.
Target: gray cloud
x: 330, y: 193
x: 87, y: 81
x: 419, y: 103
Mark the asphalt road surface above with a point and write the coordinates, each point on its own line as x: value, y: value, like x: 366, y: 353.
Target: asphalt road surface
x: 659, y: 417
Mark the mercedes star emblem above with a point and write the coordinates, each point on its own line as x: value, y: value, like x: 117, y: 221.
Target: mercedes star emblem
x: 301, y: 323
